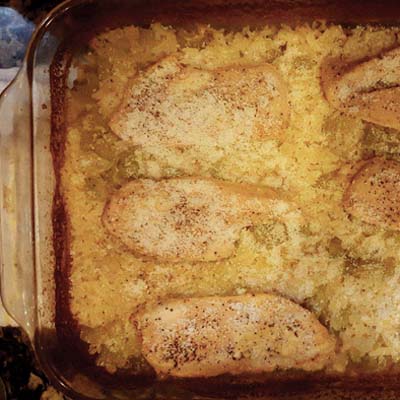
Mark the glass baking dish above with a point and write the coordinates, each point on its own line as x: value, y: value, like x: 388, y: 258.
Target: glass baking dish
x: 33, y: 245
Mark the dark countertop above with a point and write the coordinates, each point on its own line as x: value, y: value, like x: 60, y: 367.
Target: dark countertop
x: 20, y: 376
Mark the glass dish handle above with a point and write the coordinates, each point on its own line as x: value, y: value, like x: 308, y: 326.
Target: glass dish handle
x: 17, y: 277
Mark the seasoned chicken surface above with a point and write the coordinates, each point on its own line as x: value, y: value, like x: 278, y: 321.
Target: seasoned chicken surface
x: 374, y: 193
x: 187, y: 219
x: 177, y: 105
x: 368, y: 89
x: 210, y: 336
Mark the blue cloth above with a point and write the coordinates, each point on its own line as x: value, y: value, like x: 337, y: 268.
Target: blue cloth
x: 15, y: 32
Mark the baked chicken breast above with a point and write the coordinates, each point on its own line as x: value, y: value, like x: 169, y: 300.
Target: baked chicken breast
x: 210, y: 336
x: 373, y: 195
x: 367, y: 89
x: 188, y: 219
x: 173, y: 104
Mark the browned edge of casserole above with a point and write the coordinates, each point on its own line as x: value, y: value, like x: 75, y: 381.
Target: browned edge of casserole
x: 72, y: 353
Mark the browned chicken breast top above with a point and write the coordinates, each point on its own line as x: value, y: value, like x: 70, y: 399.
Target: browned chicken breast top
x: 188, y: 219
x: 210, y: 336
x: 368, y: 89
x: 373, y: 195
x: 173, y: 104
